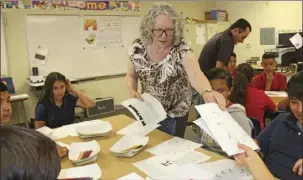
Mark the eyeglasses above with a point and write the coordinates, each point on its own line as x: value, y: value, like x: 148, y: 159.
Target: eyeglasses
x: 159, y: 32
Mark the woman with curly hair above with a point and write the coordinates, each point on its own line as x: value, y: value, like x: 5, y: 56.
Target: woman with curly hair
x: 166, y: 67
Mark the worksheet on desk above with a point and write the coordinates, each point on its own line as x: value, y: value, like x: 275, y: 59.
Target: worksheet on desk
x: 174, y: 147
x: 148, y: 111
x: 226, y: 131
x: 226, y: 169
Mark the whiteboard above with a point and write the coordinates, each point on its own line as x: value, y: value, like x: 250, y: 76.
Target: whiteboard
x: 4, y: 59
x: 62, y: 36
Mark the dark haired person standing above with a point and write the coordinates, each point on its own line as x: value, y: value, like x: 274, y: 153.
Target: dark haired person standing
x: 217, y: 51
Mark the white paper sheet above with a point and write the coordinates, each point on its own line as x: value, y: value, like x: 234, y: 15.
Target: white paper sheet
x: 200, y: 34
x: 45, y: 130
x: 175, y: 146
x: 188, y: 172
x: 199, y: 122
x: 41, y: 56
x: 296, y: 40
x: 136, y: 129
x: 131, y: 176
x: 276, y: 93
x: 192, y: 157
x: 149, y: 111
x: 226, y: 169
x: 63, y: 145
x: 227, y: 132
x: 92, y: 170
x: 127, y: 142
x: 156, y: 166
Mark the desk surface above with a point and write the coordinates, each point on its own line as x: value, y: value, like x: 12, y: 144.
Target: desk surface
x: 19, y: 97
x: 114, y: 167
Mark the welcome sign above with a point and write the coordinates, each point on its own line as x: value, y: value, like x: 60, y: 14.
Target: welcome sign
x: 84, y: 5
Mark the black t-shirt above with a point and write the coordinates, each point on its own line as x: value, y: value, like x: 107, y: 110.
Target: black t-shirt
x: 218, y: 48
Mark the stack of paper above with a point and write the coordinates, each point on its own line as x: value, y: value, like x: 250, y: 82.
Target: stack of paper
x: 131, y: 176
x: 84, y: 153
x: 276, y: 93
x: 223, y: 129
x: 102, y: 128
x: 149, y: 111
x: 70, y: 130
x: 92, y: 171
x: 128, y: 146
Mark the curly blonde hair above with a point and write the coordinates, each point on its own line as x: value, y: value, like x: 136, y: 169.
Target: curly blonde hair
x: 148, y: 21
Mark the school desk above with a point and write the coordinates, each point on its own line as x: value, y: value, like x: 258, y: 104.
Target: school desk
x: 114, y: 167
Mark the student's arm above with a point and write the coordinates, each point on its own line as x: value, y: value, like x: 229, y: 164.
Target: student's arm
x: 220, y: 64
x: 40, y: 116
x: 254, y: 163
x: 83, y: 101
x: 132, y: 81
x: 224, y: 54
x: 199, y: 81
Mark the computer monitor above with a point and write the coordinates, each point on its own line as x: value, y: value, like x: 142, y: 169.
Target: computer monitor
x: 8, y: 81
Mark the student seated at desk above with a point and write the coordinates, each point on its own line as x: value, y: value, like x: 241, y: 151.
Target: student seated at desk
x: 6, y: 113
x: 269, y: 80
x: 281, y: 141
x: 56, y: 106
x: 255, y: 101
x: 232, y: 64
x: 27, y: 154
x: 221, y: 81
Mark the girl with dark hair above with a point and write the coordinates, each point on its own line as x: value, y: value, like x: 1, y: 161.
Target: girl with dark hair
x: 56, y: 105
x: 255, y: 101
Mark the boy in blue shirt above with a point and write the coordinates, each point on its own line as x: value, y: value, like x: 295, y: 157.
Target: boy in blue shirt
x: 281, y: 141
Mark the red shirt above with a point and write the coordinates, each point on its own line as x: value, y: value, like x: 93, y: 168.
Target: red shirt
x: 229, y: 104
x: 257, y: 102
x: 278, y: 83
x: 233, y: 73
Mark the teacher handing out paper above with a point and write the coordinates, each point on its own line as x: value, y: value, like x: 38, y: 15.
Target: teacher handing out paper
x: 166, y: 66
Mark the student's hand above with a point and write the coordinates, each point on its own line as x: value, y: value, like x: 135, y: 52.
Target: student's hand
x: 248, y: 158
x: 298, y: 167
x: 62, y: 151
x: 135, y: 94
x: 69, y: 87
x: 251, y: 159
x: 215, y: 97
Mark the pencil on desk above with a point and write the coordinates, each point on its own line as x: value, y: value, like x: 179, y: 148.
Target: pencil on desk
x: 80, y: 156
x: 130, y: 148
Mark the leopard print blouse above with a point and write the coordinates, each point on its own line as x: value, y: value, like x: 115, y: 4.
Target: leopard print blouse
x: 166, y: 80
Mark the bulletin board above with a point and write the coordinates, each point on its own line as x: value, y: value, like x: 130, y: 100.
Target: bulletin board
x: 80, y: 46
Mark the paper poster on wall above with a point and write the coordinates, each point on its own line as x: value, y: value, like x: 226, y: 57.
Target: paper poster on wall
x: 41, y: 56
x: 102, y: 31
x: 200, y: 34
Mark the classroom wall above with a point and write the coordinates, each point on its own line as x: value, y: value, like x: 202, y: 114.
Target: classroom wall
x: 109, y: 86
x: 283, y: 15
